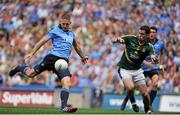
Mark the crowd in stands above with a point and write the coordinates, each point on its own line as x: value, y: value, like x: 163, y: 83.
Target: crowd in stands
x: 24, y: 22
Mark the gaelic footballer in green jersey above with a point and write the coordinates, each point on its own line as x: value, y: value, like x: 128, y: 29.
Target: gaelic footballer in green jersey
x: 134, y: 53
x: 150, y: 70
x: 130, y: 64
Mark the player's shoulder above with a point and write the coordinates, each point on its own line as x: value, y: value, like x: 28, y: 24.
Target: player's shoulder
x: 160, y: 41
x: 149, y: 44
x: 53, y: 29
x: 70, y: 31
x: 129, y: 37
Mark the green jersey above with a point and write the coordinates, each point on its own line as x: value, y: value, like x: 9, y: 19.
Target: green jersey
x: 134, y: 53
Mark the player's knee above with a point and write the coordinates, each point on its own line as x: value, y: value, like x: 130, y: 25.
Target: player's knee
x: 130, y: 88
x: 155, y: 81
x: 66, y: 83
x: 154, y: 85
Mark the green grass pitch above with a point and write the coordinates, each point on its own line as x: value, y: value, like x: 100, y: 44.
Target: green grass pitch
x: 53, y: 110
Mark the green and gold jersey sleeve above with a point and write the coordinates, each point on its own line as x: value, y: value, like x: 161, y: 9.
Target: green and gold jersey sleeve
x: 150, y: 49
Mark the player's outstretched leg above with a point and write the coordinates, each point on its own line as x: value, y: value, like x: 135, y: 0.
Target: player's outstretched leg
x: 64, y: 98
x: 17, y: 69
x: 123, y: 105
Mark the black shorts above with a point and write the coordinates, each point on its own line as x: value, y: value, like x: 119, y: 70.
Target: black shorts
x: 151, y: 73
x: 48, y: 64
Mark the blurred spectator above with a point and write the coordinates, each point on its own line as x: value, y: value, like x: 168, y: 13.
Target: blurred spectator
x: 176, y: 81
x: 74, y: 80
x: 176, y: 58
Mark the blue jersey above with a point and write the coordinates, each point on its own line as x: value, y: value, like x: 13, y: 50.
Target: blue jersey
x: 62, y: 42
x: 158, y: 49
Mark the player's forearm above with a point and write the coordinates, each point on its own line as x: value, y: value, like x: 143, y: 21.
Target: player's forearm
x: 161, y: 59
x: 79, y: 51
x: 149, y: 64
x: 36, y: 48
x: 39, y: 45
x: 145, y: 62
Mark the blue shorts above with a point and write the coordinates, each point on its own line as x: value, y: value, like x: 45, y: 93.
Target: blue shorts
x: 48, y: 64
x: 151, y: 73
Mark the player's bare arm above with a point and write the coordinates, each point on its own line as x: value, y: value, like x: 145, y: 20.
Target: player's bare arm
x: 149, y: 64
x: 80, y: 53
x: 36, y: 48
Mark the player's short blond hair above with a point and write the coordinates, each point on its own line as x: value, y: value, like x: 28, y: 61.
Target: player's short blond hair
x: 66, y: 16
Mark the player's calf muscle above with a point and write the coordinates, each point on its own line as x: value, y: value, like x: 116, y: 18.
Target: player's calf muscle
x: 30, y: 73
x: 155, y: 81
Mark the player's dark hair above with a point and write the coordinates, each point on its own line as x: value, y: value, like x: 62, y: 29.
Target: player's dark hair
x: 145, y: 28
x: 154, y: 28
x: 66, y: 16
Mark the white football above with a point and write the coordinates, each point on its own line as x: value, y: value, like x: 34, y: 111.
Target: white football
x: 60, y: 65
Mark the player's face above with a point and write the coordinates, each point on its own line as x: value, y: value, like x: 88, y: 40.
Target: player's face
x: 65, y: 24
x: 153, y: 34
x: 142, y: 35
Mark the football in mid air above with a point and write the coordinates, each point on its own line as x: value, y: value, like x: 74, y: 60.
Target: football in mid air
x: 61, y: 65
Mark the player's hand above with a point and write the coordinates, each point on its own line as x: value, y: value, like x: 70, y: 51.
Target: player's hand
x: 154, y: 59
x: 28, y: 58
x: 118, y: 39
x: 84, y: 59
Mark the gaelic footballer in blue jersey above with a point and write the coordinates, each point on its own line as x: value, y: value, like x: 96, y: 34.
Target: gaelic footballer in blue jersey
x: 152, y: 70
x: 62, y: 40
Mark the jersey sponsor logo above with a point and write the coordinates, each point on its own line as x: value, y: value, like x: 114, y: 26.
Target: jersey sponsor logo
x: 135, y: 56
